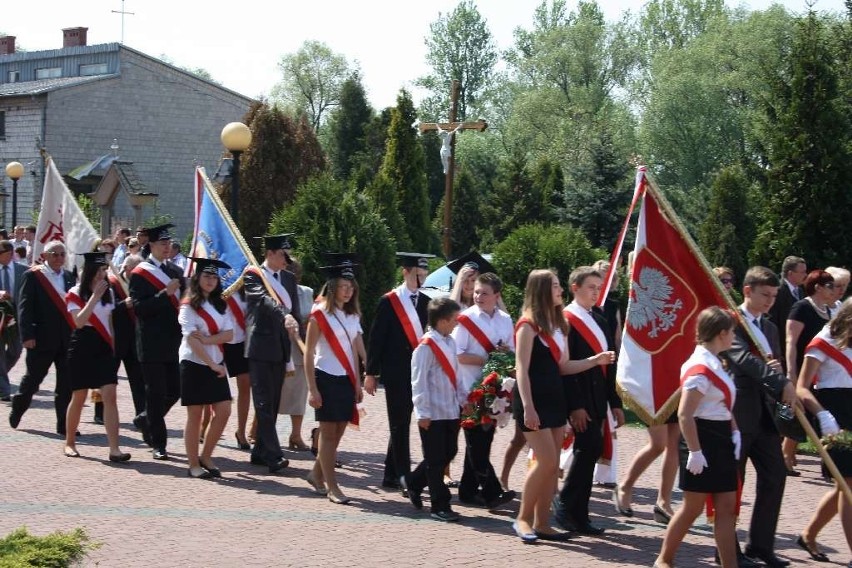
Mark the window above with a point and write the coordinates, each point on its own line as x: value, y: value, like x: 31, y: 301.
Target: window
x: 49, y: 73
x: 14, y: 76
x: 93, y: 69
x: 2, y: 124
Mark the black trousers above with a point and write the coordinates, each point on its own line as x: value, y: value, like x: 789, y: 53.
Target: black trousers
x: 134, y: 377
x: 577, y: 489
x: 267, y: 379
x: 162, y: 391
x: 400, y: 407
x: 764, y: 451
x: 478, y: 476
x: 38, y: 363
x: 440, y: 444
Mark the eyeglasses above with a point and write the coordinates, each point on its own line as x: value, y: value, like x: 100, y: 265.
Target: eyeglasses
x: 54, y: 253
x: 829, y: 285
x: 727, y: 280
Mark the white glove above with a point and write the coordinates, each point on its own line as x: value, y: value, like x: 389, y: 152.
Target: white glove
x: 827, y: 424
x: 696, y: 462
x: 737, y: 439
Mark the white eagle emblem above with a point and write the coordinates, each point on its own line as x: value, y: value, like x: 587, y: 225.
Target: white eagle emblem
x: 650, y: 302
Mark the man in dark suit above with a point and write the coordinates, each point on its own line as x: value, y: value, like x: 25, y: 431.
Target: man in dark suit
x: 588, y: 393
x: 793, y: 273
x: 124, y: 326
x: 45, y: 332
x: 272, y: 313
x: 156, y: 287
x: 760, y: 382
x: 11, y: 280
x: 399, y: 323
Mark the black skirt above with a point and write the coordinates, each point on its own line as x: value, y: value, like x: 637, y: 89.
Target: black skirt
x: 235, y: 359
x: 338, y: 397
x: 200, y: 385
x: 548, y: 391
x: 91, y: 361
x: 838, y: 401
x: 720, y: 475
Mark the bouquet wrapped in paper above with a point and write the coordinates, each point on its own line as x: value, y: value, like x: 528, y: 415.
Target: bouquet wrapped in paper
x: 490, y: 399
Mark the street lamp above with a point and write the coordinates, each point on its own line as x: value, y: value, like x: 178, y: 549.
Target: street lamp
x: 15, y: 171
x: 236, y: 137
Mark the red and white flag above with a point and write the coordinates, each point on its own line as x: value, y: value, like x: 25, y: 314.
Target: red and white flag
x: 61, y: 219
x: 670, y: 284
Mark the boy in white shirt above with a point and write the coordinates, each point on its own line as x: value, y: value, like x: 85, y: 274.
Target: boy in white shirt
x: 437, y: 399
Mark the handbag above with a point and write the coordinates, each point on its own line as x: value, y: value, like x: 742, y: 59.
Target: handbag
x: 787, y: 423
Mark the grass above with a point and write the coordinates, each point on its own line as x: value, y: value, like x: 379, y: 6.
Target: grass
x: 20, y: 549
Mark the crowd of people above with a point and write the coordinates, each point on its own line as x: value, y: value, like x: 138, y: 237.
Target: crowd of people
x: 180, y: 339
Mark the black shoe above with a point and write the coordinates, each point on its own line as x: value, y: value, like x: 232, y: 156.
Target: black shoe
x: 589, y: 529
x: 123, y: 457
x: 793, y: 473
x: 7, y: 398
x: 768, y: 558
x: 403, y: 486
x: 141, y: 423
x: 203, y: 475
x: 256, y: 461
x: 160, y: 454
x: 661, y: 516
x: 474, y: 501
x: 390, y: 483
x: 416, y: 499
x: 813, y: 552
x: 742, y: 560
x: 279, y: 465
x: 98, y: 420
x: 214, y: 471
x: 555, y: 537
x: 501, y: 499
x: 448, y: 516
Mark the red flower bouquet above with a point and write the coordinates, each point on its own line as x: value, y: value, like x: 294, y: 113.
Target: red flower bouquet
x: 490, y: 399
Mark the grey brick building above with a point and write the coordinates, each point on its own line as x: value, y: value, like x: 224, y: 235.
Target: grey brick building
x: 76, y: 100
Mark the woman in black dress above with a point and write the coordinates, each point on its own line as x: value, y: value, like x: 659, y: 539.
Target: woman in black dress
x: 807, y: 317
x: 334, y: 351
x: 206, y: 325
x: 539, y: 407
x: 711, y: 440
x: 90, y: 353
x: 829, y: 357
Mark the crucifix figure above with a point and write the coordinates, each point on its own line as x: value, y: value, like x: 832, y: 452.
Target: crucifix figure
x: 447, y: 132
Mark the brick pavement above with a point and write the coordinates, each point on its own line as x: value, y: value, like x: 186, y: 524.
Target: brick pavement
x: 147, y: 513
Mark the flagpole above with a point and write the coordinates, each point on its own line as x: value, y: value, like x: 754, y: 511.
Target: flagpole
x: 669, y: 212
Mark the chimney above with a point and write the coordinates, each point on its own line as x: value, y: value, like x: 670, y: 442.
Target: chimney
x: 74, y: 37
x: 7, y: 45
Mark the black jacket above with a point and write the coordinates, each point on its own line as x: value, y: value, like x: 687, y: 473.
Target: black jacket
x: 41, y: 318
x: 389, y: 352
x: 266, y: 338
x: 158, y: 333
x: 592, y: 389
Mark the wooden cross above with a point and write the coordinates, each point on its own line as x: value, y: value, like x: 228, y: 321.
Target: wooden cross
x: 448, y: 152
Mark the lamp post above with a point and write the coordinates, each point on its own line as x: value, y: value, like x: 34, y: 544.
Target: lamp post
x: 236, y: 137
x: 15, y: 171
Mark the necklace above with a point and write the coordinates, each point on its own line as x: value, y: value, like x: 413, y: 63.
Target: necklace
x: 822, y: 311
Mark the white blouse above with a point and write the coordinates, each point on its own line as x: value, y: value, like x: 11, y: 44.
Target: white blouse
x: 712, y: 405
x: 324, y: 357
x: 190, y: 321
x: 831, y: 374
x: 102, y: 311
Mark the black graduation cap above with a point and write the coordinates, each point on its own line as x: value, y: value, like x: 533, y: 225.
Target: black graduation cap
x: 211, y: 265
x: 276, y: 242
x: 472, y: 259
x: 345, y: 270
x: 158, y: 233
x: 413, y: 259
x: 96, y: 258
x: 340, y: 257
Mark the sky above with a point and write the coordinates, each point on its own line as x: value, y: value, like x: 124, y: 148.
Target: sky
x: 241, y: 43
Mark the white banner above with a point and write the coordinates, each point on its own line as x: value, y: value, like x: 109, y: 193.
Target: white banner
x: 61, y: 219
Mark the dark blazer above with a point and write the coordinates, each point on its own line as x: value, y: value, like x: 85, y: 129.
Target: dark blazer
x: 758, y: 386
x: 389, y: 352
x: 591, y: 389
x: 17, y: 274
x: 779, y: 312
x: 266, y: 338
x: 158, y: 333
x: 124, y: 326
x: 41, y: 319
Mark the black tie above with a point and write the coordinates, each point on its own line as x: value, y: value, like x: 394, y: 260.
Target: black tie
x: 6, y: 284
x: 759, y: 323
x: 275, y: 275
x: 414, y: 300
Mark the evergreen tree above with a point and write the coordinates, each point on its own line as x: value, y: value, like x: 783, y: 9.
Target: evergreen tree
x: 465, y: 215
x: 726, y: 234
x: 597, y: 197
x: 368, y: 160
x: 283, y: 154
x: 349, y: 224
x: 403, y: 171
x: 347, y: 127
x: 808, y: 199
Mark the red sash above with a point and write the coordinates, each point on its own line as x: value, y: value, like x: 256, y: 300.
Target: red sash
x: 477, y: 333
x: 399, y: 310
x: 101, y: 327
x: 118, y: 286
x: 287, y: 302
x: 548, y: 339
x: 54, y: 296
x: 442, y: 359
x: 148, y: 275
x: 831, y: 352
x: 339, y: 353
x: 208, y: 319
x: 239, y: 315
x: 586, y: 333
x: 717, y: 381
